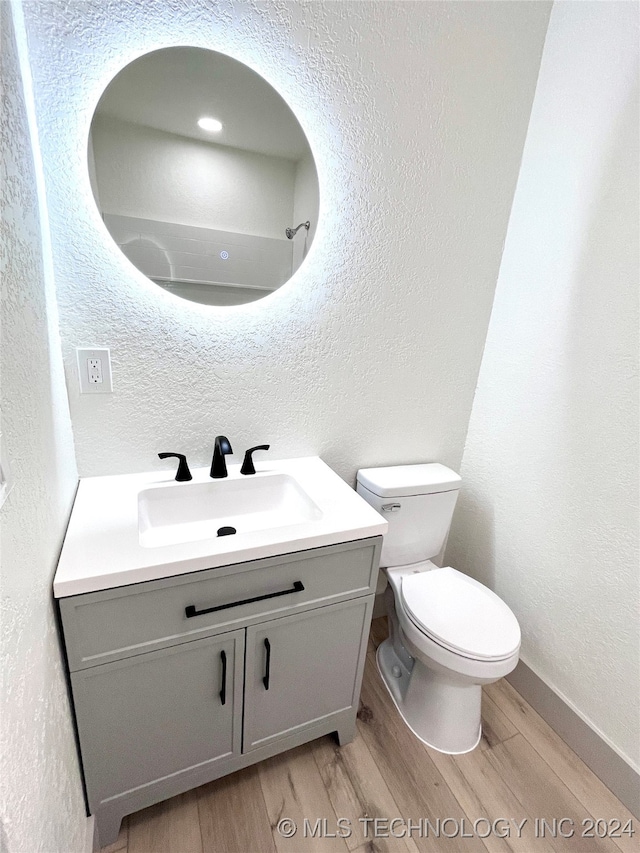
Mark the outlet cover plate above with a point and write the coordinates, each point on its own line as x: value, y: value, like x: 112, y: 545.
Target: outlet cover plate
x: 86, y: 374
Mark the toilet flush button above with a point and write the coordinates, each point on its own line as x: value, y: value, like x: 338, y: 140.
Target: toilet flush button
x: 390, y: 507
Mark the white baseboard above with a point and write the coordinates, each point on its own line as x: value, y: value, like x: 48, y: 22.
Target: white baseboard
x: 596, y: 753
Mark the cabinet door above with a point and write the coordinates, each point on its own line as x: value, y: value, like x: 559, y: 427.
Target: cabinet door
x: 160, y: 714
x: 303, y: 668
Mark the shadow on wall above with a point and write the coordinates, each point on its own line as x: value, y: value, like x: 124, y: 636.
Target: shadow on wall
x: 588, y: 467
x: 594, y: 421
x: 473, y: 522
x: 600, y: 382
x: 599, y: 423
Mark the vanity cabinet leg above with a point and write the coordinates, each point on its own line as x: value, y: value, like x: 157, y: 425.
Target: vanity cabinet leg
x: 107, y: 826
x: 347, y: 730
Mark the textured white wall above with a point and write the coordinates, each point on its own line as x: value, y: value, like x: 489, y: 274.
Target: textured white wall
x: 416, y: 114
x: 42, y: 802
x: 548, y: 516
x: 155, y: 175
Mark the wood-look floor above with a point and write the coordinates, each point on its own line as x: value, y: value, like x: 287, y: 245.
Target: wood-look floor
x: 522, y: 771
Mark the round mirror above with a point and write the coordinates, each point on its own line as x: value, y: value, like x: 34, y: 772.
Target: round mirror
x: 203, y: 176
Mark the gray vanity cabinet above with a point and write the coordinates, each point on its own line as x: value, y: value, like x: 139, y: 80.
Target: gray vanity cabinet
x: 181, y: 680
x: 144, y: 719
x: 307, y: 672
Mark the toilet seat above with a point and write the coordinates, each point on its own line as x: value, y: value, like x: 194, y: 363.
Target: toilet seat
x: 460, y: 614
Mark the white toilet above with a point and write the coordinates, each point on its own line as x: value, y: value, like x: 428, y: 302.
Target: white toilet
x: 449, y: 634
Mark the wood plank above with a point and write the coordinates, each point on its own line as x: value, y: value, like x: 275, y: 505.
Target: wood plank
x: 357, y: 791
x: 120, y: 844
x: 543, y: 794
x: 484, y: 796
x: 169, y: 827
x: 496, y: 726
x: 581, y: 781
x: 379, y: 631
x: 233, y: 814
x: 293, y: 789
x: 417, y: 785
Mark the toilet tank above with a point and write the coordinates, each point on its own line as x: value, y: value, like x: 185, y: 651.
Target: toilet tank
x: 418, y: 502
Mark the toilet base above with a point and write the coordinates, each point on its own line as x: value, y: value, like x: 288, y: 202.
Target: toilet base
x: 442, y: 711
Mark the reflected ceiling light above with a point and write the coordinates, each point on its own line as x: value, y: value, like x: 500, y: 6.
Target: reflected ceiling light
x: 210, y: 124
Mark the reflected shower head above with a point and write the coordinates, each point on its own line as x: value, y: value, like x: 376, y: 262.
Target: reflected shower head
x: 291, y: 232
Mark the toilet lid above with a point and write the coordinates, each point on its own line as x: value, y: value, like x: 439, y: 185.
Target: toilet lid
x: 461, y: 614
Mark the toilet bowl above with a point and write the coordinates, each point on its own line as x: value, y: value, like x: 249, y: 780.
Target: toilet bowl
x: 449, y: 634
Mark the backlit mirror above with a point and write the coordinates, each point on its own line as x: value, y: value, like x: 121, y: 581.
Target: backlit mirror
x: 203, y: 176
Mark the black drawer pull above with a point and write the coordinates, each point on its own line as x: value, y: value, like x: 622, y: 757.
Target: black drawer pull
x: 190, y: 610
x: 267, y: 665
x: 223, y: 691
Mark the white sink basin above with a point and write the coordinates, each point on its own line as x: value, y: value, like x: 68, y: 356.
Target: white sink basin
x: 131, y: 528
x: 189, y: 512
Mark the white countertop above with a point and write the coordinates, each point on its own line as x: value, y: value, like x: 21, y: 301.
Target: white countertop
x: 102, y: 547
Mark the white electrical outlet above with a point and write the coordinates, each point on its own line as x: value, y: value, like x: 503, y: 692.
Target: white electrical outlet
x: 94, y: 371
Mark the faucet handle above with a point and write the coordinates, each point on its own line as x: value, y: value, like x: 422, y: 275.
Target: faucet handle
x: 248, y: 466
x: 183, y: 473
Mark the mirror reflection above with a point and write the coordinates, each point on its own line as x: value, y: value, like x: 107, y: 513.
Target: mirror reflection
x: 203, y: 176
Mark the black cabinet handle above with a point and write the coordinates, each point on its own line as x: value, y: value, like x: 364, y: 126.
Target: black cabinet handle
x: 267, y: 665
x: 190, y: 609
x: 223, y: 691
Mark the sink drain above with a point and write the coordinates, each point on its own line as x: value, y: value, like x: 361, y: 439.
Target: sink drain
x: 226, y: 531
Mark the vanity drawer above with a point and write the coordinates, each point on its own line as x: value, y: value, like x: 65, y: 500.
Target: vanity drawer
x: 103, y: 626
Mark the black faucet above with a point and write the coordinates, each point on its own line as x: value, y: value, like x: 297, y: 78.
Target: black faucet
x: 218, y: 463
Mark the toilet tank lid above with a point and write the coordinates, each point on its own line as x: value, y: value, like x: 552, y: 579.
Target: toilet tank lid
x: 403, y: 480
